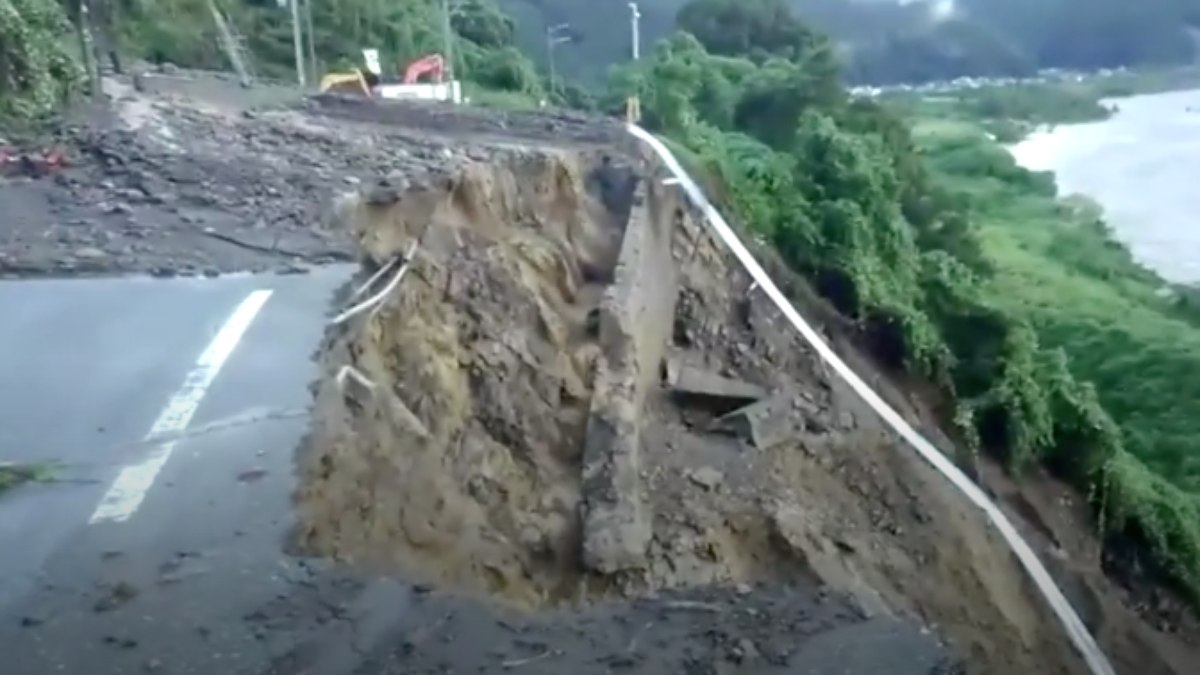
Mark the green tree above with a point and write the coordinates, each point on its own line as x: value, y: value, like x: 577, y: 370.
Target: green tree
x: 759, y: 29
x: 36, y: 72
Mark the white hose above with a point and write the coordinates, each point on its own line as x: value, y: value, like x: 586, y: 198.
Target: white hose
x: 378, y: 297
x: 1076, y: 630
x: 374, y: 277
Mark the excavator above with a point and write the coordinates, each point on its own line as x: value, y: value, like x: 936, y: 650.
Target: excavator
x: 365, y: 81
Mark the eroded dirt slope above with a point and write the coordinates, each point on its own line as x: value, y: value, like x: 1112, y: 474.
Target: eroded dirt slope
x: 575, y: 396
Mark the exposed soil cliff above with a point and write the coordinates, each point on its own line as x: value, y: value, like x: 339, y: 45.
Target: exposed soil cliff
x: 576, y: 396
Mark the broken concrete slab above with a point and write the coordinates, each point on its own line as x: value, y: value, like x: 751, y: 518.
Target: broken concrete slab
x: 616, y: 529
x: 858, y: 649
x: 709, y: 389
x: 763, y: 424
x: 634, y: 327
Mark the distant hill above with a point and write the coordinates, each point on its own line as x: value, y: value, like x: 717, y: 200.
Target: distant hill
x: 600, y: 30
x: 887, y: 41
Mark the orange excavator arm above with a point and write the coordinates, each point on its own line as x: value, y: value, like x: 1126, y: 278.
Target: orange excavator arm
x: 432, y: 64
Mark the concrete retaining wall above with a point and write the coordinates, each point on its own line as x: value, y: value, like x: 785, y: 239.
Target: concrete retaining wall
x: 636, y: 318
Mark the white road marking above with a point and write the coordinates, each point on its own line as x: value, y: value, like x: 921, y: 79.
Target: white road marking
x: 129, y: 489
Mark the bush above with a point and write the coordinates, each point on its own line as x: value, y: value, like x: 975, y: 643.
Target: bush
x: 36, y: 72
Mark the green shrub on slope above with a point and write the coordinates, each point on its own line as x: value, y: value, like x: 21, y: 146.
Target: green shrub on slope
x: 36, y: 72
x: 940, y: 247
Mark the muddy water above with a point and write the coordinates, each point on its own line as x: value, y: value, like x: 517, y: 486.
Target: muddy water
x: 1141, y: 166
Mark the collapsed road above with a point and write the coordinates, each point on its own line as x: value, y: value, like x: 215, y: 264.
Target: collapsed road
x: 576, y: 439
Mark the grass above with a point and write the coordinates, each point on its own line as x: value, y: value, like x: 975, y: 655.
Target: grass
x: 1009, y: 112
x: 12, y: 475
x: 1057, y: 267
x: 499, y: 100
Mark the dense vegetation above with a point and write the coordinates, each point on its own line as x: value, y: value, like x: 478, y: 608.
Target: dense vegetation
x: 957, y: 264
x: 484, y: 47
x: 36, y: 72
x: 885, y: 41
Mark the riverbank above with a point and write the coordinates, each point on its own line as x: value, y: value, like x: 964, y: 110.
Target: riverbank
x: 1011, y: 112
x: 1137, y: 164
x: 1057, y: 266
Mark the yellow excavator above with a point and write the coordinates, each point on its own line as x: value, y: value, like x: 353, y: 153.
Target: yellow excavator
x: 352, y: 82
x: 364, y: 81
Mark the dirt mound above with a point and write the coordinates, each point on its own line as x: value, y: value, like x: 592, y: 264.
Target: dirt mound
x: 184, y: 178
x: 465, y: 464
x: 559, y: 125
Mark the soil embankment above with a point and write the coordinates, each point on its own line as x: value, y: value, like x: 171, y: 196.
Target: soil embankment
x: 576, y: 396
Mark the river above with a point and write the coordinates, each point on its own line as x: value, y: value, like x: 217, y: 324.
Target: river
x: 1143, y: 166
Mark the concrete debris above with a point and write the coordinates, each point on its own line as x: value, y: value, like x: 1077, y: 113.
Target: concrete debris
x: 634, y: 326
x: 764, y: 424
x: 89, y: 253
x: 705, y: 388
x: 706, y: 477
x: 252, y: 475
x: 115, y: 596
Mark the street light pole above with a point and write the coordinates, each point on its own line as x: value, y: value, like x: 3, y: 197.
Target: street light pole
x: 298, y: 42
x: 448, y: 41
x: 633, y: 107
x: 634, y: 16
x: 312, y: 42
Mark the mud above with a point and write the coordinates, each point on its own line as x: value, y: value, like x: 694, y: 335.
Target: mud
x: 793, y: 630
x: 484, y: 361
x: 196, y: 176
x: 467, y: 463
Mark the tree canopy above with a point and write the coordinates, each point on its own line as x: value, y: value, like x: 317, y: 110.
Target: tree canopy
x: 36, y: 71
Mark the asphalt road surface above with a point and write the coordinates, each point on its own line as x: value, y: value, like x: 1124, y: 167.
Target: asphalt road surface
x: 169, y: 411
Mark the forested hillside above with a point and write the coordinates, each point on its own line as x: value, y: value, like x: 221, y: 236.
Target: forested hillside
x: 886, y: 41
x: 486, y: 48
x: 37, y: 72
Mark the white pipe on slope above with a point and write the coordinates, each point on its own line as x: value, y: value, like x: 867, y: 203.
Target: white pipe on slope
x: 1076, y: 631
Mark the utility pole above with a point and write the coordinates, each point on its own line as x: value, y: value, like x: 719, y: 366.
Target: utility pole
x: 89, y: 55
x: 230, y: 44
x: 312, y: 42
x: 554, y: 37
x: 634, y: 16
x: 447, y: 41
x: 633, y: 107
x: 298, y: 42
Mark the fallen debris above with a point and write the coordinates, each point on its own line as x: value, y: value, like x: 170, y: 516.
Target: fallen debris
x: 706, y: 477
x: 115, y: 596
x: 764, y: 424
x: 252, y: 475
x: 695, y: 386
